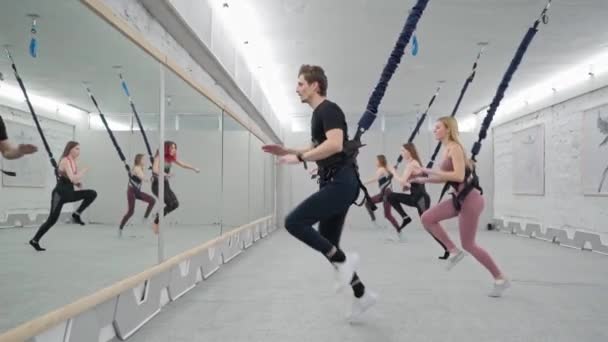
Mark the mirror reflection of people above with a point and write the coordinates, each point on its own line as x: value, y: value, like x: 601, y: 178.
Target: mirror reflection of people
x: 134, y: 191
x: 68, y: 189
x: 10, y: 151
x: 170, y: 200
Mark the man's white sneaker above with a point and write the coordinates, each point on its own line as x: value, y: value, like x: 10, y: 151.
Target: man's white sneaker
x: 345, y: 270
x: 360, y: 305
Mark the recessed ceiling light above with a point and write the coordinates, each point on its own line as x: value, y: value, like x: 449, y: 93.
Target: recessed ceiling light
x: 246, y: 42
x: 225, y: 5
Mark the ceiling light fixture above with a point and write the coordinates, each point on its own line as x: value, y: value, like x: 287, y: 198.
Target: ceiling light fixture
x: 46, y: 103
x: 71, y: 112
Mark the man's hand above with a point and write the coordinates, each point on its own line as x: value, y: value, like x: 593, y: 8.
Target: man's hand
x: 289, y: 159
x: 27, y: 149
x: 277, y: 150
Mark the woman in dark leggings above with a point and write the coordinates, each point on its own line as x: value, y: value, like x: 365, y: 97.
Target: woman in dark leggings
x: 383, y: 180
x: 68, y: 177
x: 418, y: 197
x: 171, y: 202
x: 134, y: 191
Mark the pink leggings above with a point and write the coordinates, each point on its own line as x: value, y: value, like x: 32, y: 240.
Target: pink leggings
x: 468, y: 219
x: 382, y: 197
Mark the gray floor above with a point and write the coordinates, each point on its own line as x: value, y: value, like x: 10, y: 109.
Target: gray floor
x: 79, y: 261
x: 281, y: 291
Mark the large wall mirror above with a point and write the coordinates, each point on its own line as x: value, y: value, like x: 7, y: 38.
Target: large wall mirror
x: 193, y: 189
x: 235, y: 182
x: 73, y: 49
x: 218, y: 179
x: 249, y: 177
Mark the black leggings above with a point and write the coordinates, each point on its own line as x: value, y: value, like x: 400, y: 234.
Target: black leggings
x: 329, y: 207
x: 171, y: 202
x: 420, y: 201
x: 59, y: 197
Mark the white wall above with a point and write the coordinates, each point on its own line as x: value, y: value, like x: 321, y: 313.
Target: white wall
x: 256, y: 180
x: 235, y: 195
x: 198, y: 194
x: 201, y: 19
x: 563, y: 205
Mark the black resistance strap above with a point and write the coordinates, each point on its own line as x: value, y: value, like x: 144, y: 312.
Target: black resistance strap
x: 463, y: 90
x: 139, y: 124
x: 110, y: 133
x: 471, y: 179
x: 351, y: 147
x: 33, y: 112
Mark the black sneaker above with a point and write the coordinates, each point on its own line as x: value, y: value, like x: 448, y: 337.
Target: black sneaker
x: 76, y: 219
x: 36, y: 246
x: 405, y: 222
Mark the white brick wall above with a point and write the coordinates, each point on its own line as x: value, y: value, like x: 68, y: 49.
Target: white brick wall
x: 563, y: 205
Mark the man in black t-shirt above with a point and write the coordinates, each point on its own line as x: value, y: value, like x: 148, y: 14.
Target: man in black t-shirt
x: 8, y: 150
x: 338, y: 185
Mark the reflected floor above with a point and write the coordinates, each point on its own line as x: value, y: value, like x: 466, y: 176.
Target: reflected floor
x: 78, y: 261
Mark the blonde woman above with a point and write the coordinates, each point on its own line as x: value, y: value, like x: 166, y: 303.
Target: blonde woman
x: 453, y: 170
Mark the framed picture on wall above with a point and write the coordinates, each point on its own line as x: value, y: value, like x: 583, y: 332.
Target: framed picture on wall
x: 595, y: 151
x: 529, y: 161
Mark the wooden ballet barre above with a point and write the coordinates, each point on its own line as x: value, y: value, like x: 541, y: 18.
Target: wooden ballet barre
x: 47, y: 321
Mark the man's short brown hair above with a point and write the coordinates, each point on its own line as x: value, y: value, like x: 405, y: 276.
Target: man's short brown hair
x: 314, y: 73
